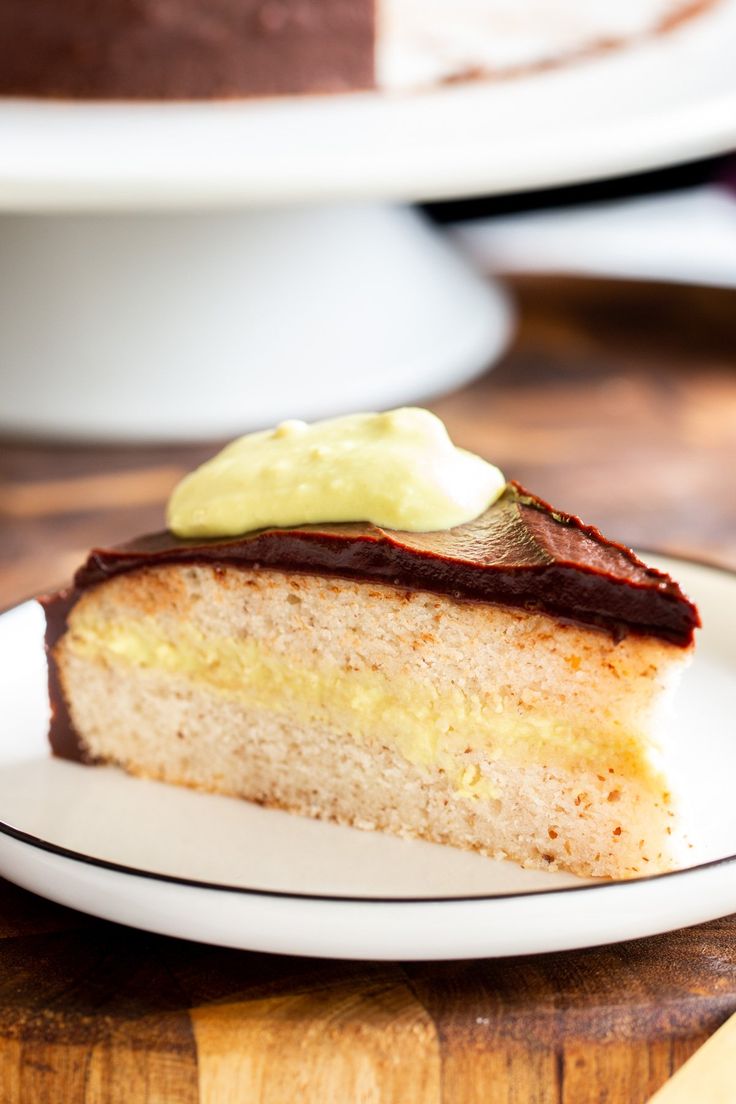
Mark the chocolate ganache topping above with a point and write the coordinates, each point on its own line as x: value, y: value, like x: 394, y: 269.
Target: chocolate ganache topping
x: 520, y: 552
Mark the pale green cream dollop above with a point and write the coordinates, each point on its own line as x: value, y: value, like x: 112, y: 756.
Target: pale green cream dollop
x: 399, y: 470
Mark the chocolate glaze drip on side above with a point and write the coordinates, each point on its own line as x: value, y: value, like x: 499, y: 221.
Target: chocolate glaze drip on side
x: 520, y: 553
x: 62, y: 735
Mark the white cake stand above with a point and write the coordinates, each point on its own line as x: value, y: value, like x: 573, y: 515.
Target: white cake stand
x: 171, y: 271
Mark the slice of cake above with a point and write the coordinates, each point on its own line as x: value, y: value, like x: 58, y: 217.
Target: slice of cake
x: 496, y: 685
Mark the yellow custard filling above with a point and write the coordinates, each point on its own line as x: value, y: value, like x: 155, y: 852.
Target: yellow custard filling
x: 440, y: 728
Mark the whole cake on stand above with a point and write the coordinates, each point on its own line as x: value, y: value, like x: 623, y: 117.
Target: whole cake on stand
x: 182, y: 269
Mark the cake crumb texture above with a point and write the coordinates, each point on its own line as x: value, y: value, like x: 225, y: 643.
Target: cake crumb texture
x: 464, y: 723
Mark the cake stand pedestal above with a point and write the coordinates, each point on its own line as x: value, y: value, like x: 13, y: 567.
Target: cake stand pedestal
x: 196, y: 270
x: 183, y: 325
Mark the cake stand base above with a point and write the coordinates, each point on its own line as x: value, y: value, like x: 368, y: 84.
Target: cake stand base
x: 184, y: 326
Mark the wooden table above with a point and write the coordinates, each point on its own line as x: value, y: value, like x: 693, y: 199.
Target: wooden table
x: 618, y: 401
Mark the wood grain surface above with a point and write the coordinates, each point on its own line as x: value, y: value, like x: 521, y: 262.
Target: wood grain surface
x: 617, y: 401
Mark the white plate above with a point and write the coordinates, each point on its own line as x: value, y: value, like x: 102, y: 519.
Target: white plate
x: 657, y: 102
x: 224, y: 871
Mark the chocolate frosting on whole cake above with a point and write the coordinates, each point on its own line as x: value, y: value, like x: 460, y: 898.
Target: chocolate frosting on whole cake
x: 185, y: 49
